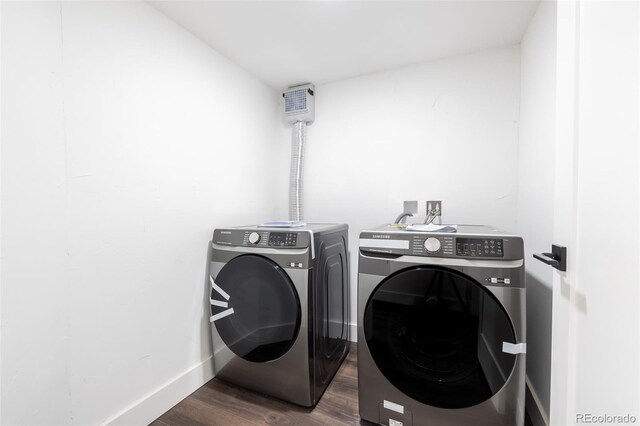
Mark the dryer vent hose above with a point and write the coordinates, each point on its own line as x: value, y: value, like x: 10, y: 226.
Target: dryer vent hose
x: 295, y: 178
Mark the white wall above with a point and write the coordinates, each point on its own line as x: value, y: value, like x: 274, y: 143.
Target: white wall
x: 0, y: 205
x: 536, y: 196
x: 444, y: 130
x: 35, y: 387
x: 125, y: 141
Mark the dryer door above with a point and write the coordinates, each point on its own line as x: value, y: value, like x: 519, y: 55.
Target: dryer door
x: 437, y: 335
x: 255, y: 308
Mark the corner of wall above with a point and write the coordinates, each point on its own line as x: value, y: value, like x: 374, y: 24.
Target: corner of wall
x: 535, y: 195
x: 157, y: 402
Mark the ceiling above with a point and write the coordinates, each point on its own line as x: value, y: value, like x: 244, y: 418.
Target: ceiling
x: 285, y: 43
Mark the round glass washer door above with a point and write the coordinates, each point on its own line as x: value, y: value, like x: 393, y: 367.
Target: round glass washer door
x: 266, y: 314
x: 437, y: 334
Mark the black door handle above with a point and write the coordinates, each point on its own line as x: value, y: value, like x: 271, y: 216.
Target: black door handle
x: 557, y: 258
x: 547, y: 258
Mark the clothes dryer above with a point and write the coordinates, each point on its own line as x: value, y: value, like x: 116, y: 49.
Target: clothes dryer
x: 280, y: 307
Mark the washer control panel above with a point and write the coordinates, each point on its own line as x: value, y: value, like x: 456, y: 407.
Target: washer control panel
x: 480, y: 247
x: 442, y: 245
x: 418, y: 244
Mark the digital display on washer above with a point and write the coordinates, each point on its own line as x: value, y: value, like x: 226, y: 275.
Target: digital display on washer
x: 283, y: 239
x: 481, y: 247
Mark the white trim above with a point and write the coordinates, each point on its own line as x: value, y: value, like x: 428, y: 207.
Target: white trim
x: 535, y: 408
x: 353, y: 332
x: 166, y: 396
x: 0, y: 210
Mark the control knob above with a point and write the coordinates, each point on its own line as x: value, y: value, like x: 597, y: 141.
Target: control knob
x: 432, y: 244
x: 254, y: 238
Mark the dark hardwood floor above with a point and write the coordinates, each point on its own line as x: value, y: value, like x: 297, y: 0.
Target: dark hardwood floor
x: 220, y: 403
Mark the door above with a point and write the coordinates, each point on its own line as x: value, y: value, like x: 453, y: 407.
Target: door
x: 255, y: 308
x: 596, y: 326
x: 437, y: 335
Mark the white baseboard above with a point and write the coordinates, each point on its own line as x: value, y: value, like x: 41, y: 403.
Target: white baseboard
x: 537, y: 413
x: 162, y: 399
x: 353, y: 332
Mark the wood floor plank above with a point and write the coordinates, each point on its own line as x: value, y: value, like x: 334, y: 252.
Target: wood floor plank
x: 218, y: 403
x: 221, y: 403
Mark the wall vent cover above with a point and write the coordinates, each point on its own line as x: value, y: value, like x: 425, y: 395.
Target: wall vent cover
x: 299, y: 104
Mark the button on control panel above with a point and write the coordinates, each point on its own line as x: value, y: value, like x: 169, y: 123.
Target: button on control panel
x: 254, y: 238
x: 479, y: 247
x: 425, y: 245
x: 432, y: 244
x: 286, y: 239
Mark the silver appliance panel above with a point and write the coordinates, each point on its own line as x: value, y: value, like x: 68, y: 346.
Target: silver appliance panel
x: 380, y: 400
x: 442, y: 245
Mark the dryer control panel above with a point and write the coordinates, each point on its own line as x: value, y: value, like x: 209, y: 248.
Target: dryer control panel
x: 279, y: 239
x: 261, y: 238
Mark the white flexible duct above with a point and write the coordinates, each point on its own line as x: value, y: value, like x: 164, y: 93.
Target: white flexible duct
x: 295, y: 177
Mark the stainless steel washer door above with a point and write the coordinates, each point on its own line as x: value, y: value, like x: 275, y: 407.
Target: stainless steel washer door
x: 260, y: 315
x: 437, y: 335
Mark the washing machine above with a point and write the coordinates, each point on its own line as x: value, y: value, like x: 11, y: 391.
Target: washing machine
x: 441, y: 327
x: 279, y: 308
